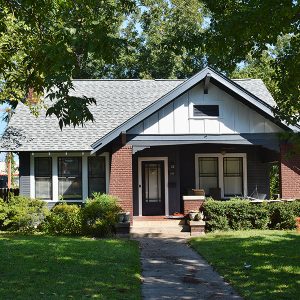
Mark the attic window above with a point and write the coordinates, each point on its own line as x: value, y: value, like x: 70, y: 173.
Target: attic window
x: 206, y: 110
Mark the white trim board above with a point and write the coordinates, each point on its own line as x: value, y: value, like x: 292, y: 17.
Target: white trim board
x: 54, y: 156
x: 220, y: 157
x: 140, y: 182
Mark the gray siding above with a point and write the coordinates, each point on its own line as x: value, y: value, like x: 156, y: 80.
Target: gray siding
x: 24, y: 170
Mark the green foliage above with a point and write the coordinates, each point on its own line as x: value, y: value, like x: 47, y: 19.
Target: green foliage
x: 3, y: 212
x: 242, y: 215
x: 42, y: 53
x: 274, y: 180
x: 99, y: 215
x: 234, y: 214
x: 283, y: 214
x: 64, y: 219
x: 22, y: 213
x: 233, y: 34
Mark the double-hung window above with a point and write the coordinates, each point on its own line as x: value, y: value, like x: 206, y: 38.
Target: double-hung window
x: 208, y: 173
x: 227, y: 172
x: 97, y: 174
x: 233, y: 176
x: 43, y: 177
x: 70, y: 178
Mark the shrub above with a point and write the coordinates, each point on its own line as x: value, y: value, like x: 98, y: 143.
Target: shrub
x: 21, y: 213
x: 3, y: 212
x: 283, y: 214
x: 99, y: 215
x: 260, y: 218
x: 64, y: 219
x: 237, y: 214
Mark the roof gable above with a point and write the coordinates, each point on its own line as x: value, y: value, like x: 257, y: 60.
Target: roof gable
x: 237, y: 90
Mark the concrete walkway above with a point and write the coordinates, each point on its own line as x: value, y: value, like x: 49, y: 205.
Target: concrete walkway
x: 172, y: 270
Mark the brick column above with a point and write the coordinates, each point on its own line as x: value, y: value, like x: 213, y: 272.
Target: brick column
x: 120, y: 184
x: 289, y: 172
x: 189, y: 205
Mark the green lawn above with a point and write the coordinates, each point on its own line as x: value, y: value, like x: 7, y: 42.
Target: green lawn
x: 274, y: 257
x: 43, y: 267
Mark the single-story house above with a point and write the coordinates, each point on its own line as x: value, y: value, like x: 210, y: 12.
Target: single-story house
x: 153, y: 141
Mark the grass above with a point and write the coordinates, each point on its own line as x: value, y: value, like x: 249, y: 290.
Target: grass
x: 44, y: 267
x: 274, y: 257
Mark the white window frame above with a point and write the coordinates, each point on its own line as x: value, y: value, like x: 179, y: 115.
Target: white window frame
x: 220, y: 157
x: 84, y: 171
x: 140, y: 160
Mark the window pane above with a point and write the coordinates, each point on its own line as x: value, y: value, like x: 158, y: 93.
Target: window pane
x: 153, y: 182
x: 208, y: 173
x: 43, y: 166
x: 69, y: 166
x: 97, y: 166
x: 70, y: 178
x: 233, y: 176
x: 97, y: 174
x: 43, y: 177
x: 43, y: 188
x: 70, y: 188
x: 97, y: 185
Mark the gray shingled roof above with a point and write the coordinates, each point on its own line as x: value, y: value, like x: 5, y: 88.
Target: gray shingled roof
x: 257, y: 88
x: 117, y: 101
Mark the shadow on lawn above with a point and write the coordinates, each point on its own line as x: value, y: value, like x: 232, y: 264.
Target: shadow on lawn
x: 274, y: 272
x: 39, y: 267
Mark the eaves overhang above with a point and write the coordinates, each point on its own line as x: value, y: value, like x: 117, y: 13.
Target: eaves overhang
x: 216, y: 78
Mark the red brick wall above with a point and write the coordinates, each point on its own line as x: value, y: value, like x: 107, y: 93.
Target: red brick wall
x: 191, y: 205
x: 120, y: 183
x: 290, y: 173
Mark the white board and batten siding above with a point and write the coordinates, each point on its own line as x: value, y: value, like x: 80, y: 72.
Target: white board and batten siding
x: 177, y: 117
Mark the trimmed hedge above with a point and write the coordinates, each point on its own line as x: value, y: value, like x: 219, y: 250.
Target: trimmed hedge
x: 237, y: 214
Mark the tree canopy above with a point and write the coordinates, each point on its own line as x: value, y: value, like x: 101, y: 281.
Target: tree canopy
x: 239, y: 28
x: 45, y: 44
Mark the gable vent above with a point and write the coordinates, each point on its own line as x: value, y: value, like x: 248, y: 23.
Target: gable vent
x: 206, y: 110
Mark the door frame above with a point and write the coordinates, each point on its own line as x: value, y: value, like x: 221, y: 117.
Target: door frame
x: 140, y: 181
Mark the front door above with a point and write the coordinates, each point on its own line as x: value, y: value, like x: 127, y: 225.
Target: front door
x: 153, y: 188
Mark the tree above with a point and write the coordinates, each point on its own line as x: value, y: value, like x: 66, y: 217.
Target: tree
x: 46, y: 43
x: 163, y: 40
x: 238, y: 28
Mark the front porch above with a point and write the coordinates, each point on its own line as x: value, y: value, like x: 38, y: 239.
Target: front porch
x: 164, y: 175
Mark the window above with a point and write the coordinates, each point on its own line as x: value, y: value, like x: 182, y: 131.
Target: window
x: 206, y: 110
x: 43, y: 177
x: 70, y: 178
x: 224, y: 171
x: 208, y: 173
x: 96, y: 171
x: 233, y: 176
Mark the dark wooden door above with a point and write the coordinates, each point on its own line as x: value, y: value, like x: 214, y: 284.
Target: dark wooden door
x: 153, y: 188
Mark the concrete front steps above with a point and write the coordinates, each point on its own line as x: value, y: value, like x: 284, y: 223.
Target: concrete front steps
x: 158, y: 226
